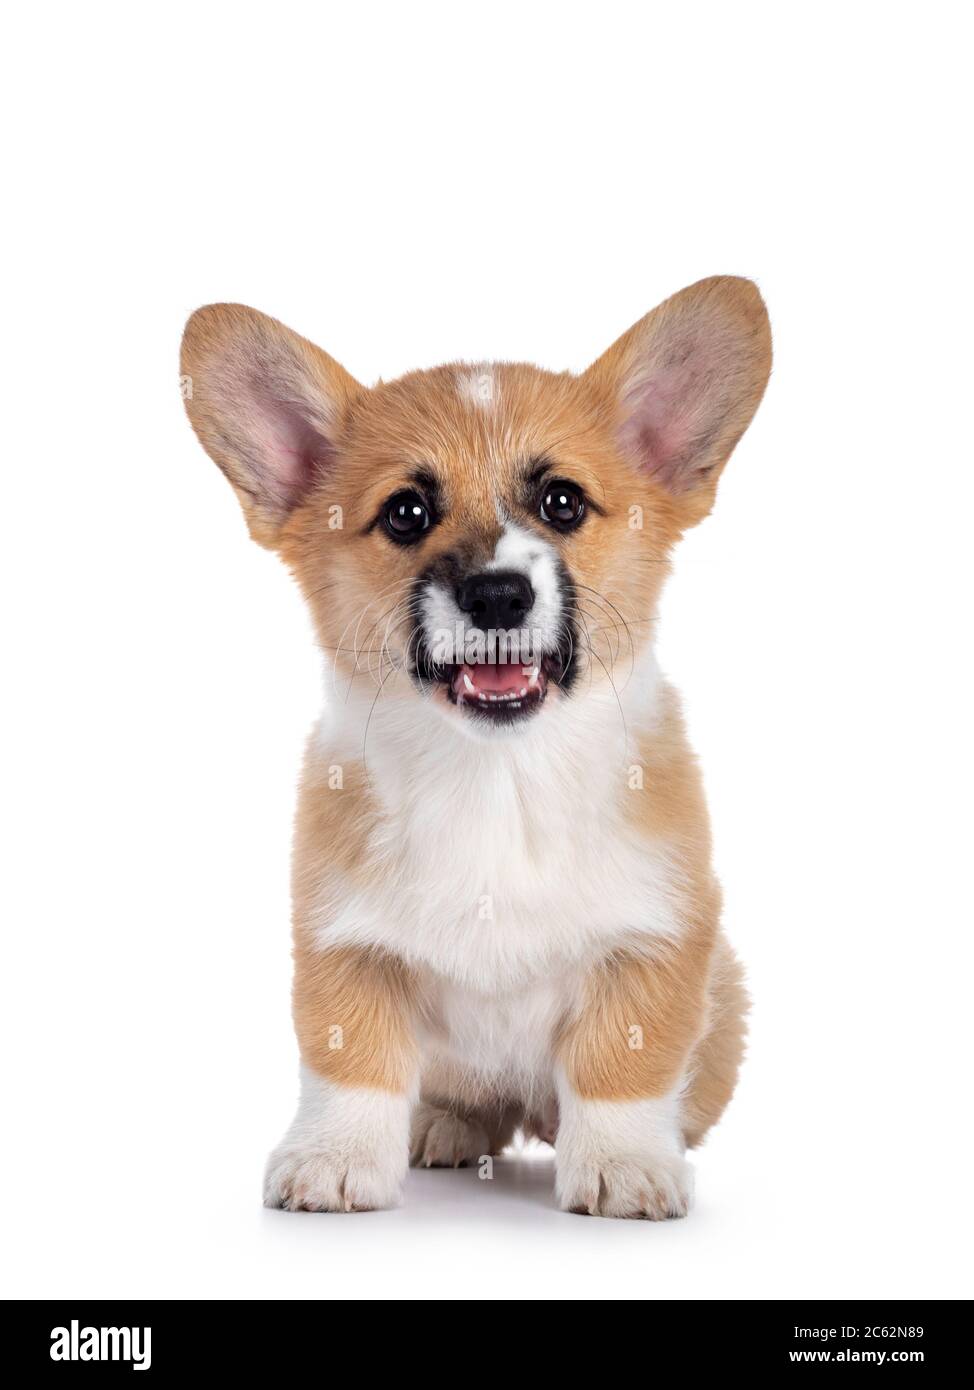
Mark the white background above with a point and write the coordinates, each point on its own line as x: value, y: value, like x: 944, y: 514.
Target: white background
x: 408, y: 184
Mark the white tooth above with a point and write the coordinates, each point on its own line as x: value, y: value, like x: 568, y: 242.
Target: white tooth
x: 524, y: 692
x: 469, y: 684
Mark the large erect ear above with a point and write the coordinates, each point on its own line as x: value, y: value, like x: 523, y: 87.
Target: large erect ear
x: 267, y: 406
x: 686, y: 381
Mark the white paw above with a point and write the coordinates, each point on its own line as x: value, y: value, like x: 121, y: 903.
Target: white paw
x: 346, y: 1150
x: 654, y: 1187
x: 309, y: 1180
x: 622, y: 1158
x: 444, y: 1140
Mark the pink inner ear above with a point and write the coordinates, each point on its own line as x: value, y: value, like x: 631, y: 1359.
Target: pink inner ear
x: 664, y: 418
x: 292, y: 450
x: 281, y: 434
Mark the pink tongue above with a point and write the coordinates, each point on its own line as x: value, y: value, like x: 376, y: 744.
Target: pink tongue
x: 495, y: 680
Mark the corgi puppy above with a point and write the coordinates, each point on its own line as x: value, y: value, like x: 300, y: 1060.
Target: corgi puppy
x: 505, y: 915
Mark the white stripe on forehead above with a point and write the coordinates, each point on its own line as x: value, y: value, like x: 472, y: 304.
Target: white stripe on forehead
x: 517, y: 548
x: 477, y: 386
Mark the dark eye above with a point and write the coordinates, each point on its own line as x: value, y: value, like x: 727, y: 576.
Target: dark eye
x: 406, y: 516
x: 562, y: 505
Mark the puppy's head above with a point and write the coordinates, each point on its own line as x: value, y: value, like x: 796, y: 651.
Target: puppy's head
x: 489, y: 538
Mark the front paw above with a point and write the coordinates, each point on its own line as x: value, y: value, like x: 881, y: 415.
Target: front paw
x: 623, y: 1159
x: 654, y: 1188
x: 347, y: 1150
x: 318, y: 1180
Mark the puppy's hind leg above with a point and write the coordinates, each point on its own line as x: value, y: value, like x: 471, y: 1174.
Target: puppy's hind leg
x: 717, y: 1057
x: 447, y: 1137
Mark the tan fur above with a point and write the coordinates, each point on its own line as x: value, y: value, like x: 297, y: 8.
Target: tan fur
x: 717, y: 1057
x: 369, y: 997
x: 312, y: 482
x: 644, y: 1015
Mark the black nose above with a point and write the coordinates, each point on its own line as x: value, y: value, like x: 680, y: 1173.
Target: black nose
x: 499, y: 599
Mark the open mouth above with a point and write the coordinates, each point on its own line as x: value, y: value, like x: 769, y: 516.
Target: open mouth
x: 499, y: 690
x: 494, y: 675
x: 495, y: 691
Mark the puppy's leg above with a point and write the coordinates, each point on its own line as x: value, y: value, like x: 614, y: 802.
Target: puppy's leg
x: 348, y: 1146
x: 446, y: 1137
x: 717, y: 1057
x: 622, y: 1062
x: 346, y: 1149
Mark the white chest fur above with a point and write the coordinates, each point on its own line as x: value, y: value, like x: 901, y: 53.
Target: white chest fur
x: 500, y: 869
